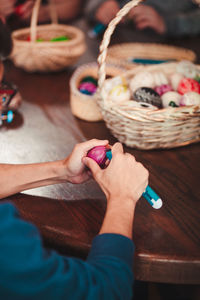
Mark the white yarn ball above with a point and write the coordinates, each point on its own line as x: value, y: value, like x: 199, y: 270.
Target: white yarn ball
x: 175, y: 78
x: 190, y: 98
x: 160, y: 78
x: 170, y: 96
x: 141, y: 79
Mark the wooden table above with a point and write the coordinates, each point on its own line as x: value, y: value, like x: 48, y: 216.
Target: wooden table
x: 69, y: 216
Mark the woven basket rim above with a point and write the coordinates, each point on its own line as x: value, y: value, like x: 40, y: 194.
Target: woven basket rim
x: 79, y: 35
x: 142, y: 128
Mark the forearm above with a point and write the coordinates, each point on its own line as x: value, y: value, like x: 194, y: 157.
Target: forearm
x: 17, y: 178
x: 119, y: 218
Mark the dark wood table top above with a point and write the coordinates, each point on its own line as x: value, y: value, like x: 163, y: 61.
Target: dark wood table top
x: 69, y: 216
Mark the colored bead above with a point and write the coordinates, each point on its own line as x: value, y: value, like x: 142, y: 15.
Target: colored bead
x: 172, y: 104
x: 60, y: 39
x: 89, y: 79
x: 162, y: 89
x: 88, y: 86
x: 147, y: 95
x: 170, y: 97
x: 190, y: 98
x: 188, y: 85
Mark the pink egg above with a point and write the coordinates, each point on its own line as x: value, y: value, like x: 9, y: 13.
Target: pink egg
x: 163, y: 88
x: 89, y: 86
x: 98, y: 154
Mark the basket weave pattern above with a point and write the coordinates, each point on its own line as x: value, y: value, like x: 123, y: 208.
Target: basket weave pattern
x: 46, y: 56
x: 140, y: 127
x: 84, y: 106
x: 119, y: 54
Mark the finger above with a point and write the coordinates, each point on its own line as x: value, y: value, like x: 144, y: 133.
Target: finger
x: 117, y: 148
x: 93, y: 143
x: 91, y: 164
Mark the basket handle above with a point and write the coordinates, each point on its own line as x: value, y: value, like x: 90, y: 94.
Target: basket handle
x: 34, y: 17
x: 106, y: 40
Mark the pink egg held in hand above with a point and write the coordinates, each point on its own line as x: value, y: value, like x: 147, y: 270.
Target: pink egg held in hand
x: 98, y: 154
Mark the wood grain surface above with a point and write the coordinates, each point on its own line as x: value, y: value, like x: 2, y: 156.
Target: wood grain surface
x: 69, y: 216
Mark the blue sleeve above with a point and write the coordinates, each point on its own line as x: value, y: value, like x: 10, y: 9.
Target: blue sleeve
x: 28, y: 271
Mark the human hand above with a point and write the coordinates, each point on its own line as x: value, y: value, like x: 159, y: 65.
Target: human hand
x: 25, y: 10
x: 7, y: 7
x: 74, y: 168
x: 145, y: 16
x: 107, y: 11
x: 123, y: 180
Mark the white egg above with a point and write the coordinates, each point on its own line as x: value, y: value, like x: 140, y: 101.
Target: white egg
x: 175, y: 78
x: 160, y: 78
x: 119, y: 93
x: 170, y: 96
x: 190, y: 98
x: 141, y: 79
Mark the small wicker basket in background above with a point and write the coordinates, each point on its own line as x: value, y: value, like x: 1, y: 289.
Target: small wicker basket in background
x: 46, y: 56
x: 122, y: 54
x: 144, y: 128
x: 83, y: 106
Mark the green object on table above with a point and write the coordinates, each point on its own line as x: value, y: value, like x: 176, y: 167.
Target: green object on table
x: 39, y: 40
x: 60, y: 39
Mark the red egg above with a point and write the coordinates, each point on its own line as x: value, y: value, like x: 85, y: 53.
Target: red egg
x: 98, y: 154
x: 188, y: 85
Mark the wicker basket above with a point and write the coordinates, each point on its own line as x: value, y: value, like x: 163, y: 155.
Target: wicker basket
x: 121, y: 54
x: 46, y: 56
x: 83, y: 106
x: 144, y: 128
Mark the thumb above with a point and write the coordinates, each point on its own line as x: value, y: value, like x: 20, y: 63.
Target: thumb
x: 91, y: 164
x: 117, y: 148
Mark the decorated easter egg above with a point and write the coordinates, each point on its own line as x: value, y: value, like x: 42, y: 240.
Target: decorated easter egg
x: 188, y: 85
x: 98, y: 154
x: 163, y: 88
x: 160, y: 78
x: 190, y: 98
x: 89, y: 79
x: 147, y: 95
x: 187, y: 68
x: 119, y: 93
x: 88, y: 86
x: 170, y: 97
x: 175, y: 78
x: 141, y: 79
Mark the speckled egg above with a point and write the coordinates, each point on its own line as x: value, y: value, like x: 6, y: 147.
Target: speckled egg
x: 141, y: 79
x: 147, y: 95
x: 188, y: 85
x: 170, y: 97
x: 163, y: 88
x: 190, y: 98
x: 174, y: 79
x: 119, y: 93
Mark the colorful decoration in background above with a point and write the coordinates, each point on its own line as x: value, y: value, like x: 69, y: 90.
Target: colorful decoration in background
x: 88, y: 85
x: 61, y: 38
x: 155, y: 89
x: 7, y: 92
